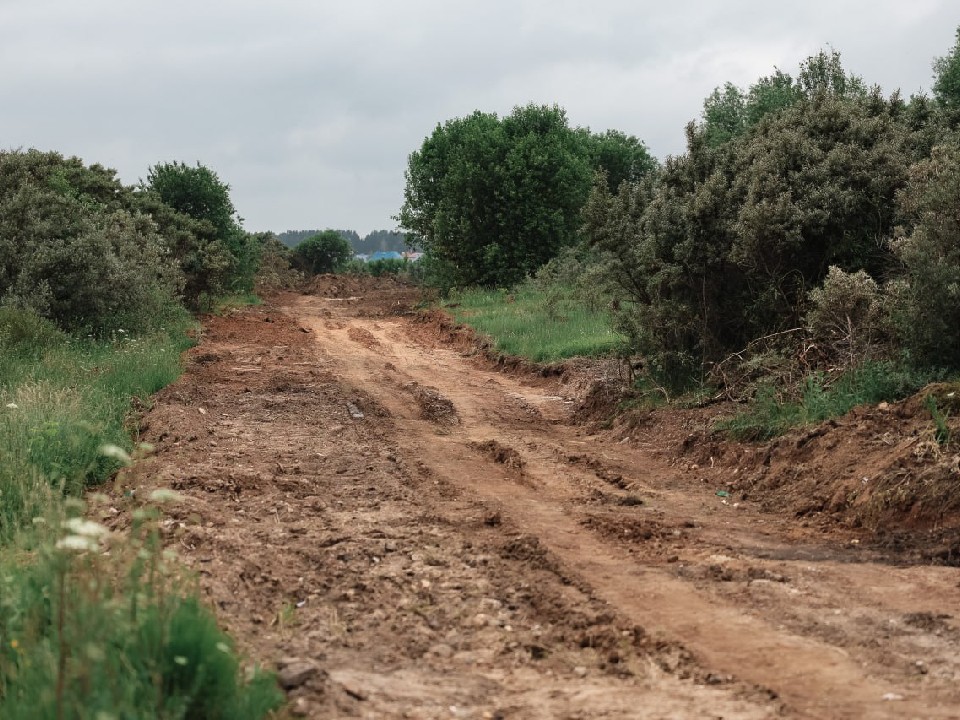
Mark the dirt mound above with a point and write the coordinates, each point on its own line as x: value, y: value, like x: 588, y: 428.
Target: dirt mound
x: 433, y: 405
x: 499, y: 453
x: 365, y: 295
x: 891, y: 467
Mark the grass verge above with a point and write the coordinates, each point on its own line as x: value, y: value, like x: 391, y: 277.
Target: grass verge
x: 540, y: 325
x: 86, y: 633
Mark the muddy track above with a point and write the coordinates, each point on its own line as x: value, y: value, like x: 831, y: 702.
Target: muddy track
x: 411, y: 534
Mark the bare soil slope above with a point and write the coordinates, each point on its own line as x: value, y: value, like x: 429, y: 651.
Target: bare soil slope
x: 407, y: 530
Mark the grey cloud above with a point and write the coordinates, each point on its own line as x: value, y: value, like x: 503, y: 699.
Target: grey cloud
x: 309, y: 109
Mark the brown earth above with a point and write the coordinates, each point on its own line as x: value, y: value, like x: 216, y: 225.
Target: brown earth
x: 406, y: 527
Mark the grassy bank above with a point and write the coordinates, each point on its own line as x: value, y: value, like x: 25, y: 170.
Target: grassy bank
x: 86, y: 633
x: 540, y: 325
x: 771, y: 414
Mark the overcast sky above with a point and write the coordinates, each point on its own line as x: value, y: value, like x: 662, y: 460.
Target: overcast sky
x: 309, y: 108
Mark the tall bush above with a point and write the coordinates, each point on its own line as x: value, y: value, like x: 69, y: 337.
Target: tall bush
x: 73, y: 250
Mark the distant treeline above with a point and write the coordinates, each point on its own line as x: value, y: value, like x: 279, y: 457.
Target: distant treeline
x: 378, y: 240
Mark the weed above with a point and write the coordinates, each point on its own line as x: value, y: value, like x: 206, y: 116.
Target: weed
x: 941, y: 431
x: 774, y: 411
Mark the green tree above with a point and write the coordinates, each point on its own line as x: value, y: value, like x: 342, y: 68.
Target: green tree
x: 946, y: 84
x: 205, y: 260
x: 624, y: 158
x: 724, y: 114
x: 925, y: 291
x: 491, y: 200
x: 74, y: 247
x: 323, y: 253
x: 725, y: 243
x: 815, y: 186
x: 199, y: 193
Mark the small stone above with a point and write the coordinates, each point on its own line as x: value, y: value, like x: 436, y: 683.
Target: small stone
x: 442, y: 650
x: 580, y: 671
x: 892, y: 697
x: 294, y: 672
x: 300, y: 708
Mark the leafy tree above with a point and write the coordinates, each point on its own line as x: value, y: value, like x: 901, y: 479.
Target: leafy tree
x: 74, y: 247
x: 823, y: 75
x: 323, y: 253
x: 275, y: 269
x: 925, y: 292
x: 204, y: 260
x: 946, y: 85
x: 199, y: 193
x: 623, y: 158
x: 815, y: 186
x: 768, y: 95
x: 725, y: 243
x: 493, y: 199
x: 724, y: 115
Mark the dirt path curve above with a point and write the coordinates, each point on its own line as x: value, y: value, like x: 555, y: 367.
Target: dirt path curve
x: 426, y: 537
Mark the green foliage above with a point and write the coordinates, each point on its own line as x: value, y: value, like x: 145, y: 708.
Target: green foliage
x: 84, y: 634
x: 724, y: 245
x: 772, y: 413
x: 323, y: 253
x: 275, y: 270
x: 74, y: 249
x: 61, y: 399
x: 200, y: 194
x: 388, y: 266
x: 946, y: 85
x: 490, y: 200
x: 941, y: 433
x: 924, y: 296
x: 622, y: 157
x: 847, y: 319
x: 205, y: 261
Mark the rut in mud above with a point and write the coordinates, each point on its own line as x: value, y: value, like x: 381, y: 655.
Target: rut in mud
x: 407, y: 532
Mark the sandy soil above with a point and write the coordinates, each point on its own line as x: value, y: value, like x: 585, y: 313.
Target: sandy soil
x: 408, y: 530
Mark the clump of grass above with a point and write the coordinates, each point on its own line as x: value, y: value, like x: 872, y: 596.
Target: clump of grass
x: 771, y: 413
x: 941, y: 432
x: 85, y: 634
x: 543, y: 325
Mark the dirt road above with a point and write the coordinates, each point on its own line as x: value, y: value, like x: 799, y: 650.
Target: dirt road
x: 410, y: 533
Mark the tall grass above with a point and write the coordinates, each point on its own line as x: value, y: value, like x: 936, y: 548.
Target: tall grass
x: 63, y: 398
x: 771, y: 414
x: 84, y: 633
x: 543, y: 325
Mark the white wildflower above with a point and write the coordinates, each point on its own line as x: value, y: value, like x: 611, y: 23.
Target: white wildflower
x: 86, y: 528
x: 78, y: 543
x: 116, y: 452
x: 165, y: 495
